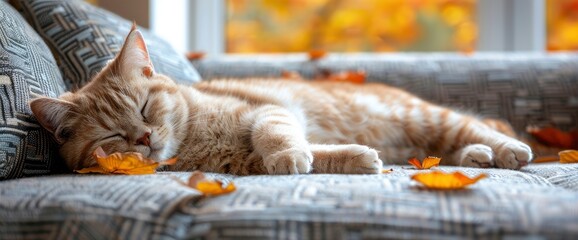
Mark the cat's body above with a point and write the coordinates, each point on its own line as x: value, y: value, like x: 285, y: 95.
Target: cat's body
x: 263, y: 126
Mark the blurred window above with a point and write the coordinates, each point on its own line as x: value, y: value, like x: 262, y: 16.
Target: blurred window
x: 562, y: 25
x: 272, y: 26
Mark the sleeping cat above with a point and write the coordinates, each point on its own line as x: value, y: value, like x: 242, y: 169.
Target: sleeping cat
x: 262, y: 126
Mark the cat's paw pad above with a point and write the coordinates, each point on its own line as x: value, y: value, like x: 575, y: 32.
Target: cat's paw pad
x: 290, y: 161
x: 364, y: 160
x: 512, y: 155
x: 477, y: 155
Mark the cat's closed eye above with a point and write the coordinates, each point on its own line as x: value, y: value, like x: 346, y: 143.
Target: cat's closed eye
x: 113, y: 136
x: 142, y: 111
x: 66, y: 133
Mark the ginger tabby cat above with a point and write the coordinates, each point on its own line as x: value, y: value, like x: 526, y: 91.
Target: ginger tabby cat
x: 262, y: 126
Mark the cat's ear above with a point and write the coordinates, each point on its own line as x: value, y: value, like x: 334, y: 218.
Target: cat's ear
x: 134, y: 57
x: 51, y: 113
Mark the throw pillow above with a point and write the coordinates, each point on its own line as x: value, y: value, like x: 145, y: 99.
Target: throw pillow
x: 84, y: 38
x: 27, y: 68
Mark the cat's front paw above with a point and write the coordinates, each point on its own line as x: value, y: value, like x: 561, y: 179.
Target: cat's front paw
x: 290, y: 161
x: 512, y: 154
x: 476, y: 155
x: 363, y: 160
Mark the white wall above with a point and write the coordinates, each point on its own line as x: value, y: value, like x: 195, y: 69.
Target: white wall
x: 512, y: 25
x: 169, y: 19
x: 134, y: 10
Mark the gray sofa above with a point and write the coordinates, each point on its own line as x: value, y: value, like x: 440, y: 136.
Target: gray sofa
x: 44, y: 201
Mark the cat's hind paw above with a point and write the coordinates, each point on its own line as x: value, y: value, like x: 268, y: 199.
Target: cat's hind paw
x: 509, y: 155
x: 476, y: 155
x: 290, y: 161
x: 512, y: 155
x: 364, y: 160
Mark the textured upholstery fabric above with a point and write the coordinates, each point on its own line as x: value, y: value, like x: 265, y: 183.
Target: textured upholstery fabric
x: 27, y: 68
x: 538, y: 202
x: 509, y: 204
x: 84, y: 38
x: 563, y: 175
x: 522, y: 88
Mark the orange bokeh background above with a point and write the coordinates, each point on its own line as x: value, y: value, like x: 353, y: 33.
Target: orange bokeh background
x: 562, y: 25
x: 350, y: 25
x: 269, y: 26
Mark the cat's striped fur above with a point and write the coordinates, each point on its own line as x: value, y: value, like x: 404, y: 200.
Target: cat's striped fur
x: 263, y: 126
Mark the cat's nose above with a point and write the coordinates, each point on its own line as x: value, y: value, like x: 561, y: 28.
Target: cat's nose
x: 144, y: 140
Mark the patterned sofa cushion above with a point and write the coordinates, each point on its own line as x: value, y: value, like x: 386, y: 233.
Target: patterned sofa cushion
x: 84, y: 38
x: 27, y: 68
x: 509, y: 204
x: 563, y: 175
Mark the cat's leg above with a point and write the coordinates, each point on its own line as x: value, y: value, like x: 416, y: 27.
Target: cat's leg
x: 480, y: 146
x: 480, y: 155
x: 280, y: 139
x: 345, y: 159
x: 475, y: 155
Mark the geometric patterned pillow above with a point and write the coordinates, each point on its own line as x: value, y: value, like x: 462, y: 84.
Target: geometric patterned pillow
x: 84, y: 38
x: 27, y: 68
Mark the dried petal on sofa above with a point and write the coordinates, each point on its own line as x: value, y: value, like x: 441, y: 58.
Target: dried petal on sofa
x: 208, y: 187
x: 445, y: 181
x: 357, y: 77
x: 554, y: 137
x: 315, y: 55
x: 131, y: 163
x: 427, y: 162
x: 195, y: 55
x: 544, y: 159
x: 285, y: 74
x: 568, y: 156
x: 95, y: 169
x: 387, y: 170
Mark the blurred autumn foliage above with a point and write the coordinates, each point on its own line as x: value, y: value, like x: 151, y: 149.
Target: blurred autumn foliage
x: 350, y: 25
x: 562, y: 24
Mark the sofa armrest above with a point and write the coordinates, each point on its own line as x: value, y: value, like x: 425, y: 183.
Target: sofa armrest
x: 523, y: 88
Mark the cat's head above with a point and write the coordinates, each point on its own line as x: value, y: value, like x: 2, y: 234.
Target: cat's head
x: 125, y: 107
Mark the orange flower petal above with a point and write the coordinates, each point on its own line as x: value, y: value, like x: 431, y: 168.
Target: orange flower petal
x: 387, y: 170
x: 427, y: 162
x: 214, y: 187
x: 415, y: 163
x: 445, y: 181
x: 356, y: 77
x: 316, y: 54
x: 430, y: 162
x: 208, y: 187
x: 95, y: 169
x: 147, y: 169
x: 553, y: 137
x: 544, y: 159
x: 123, y: 163
x: 568, y: 156
x: 195, y: 55
x: 465, y: 180
x: 290, y: 75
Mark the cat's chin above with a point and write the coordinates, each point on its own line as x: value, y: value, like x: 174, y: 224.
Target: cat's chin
x: 158, y: 154
x: 162, y: 150
x: 155, y: 155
